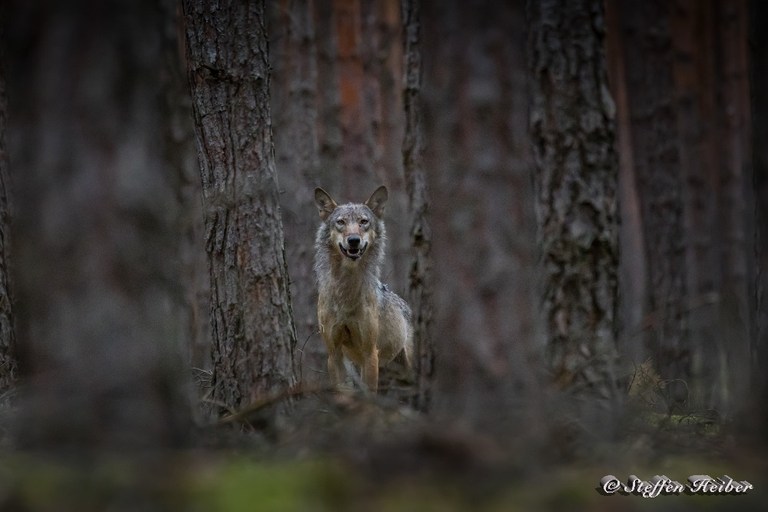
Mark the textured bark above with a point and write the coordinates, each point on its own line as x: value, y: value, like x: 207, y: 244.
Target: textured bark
x: 8, y: 364
x: 572, y: 125
x: 655, y: 141
x: 420, y: 277
x: 95, y: 229
x: 253, y: 331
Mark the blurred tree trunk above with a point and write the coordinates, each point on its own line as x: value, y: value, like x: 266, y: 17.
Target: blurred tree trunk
x: 632, y: 265
x: 477, y: 162
x: 330, y: 139
x: 655, y: 142
x: 735, y: 205
x: 8, y: 365
x: 420, y: 277
x: 710, y: 75
x: 253, y: 330
x: 381, y: 50
x: 295, y: 106
x: 357, y: 142
x: 572, y: 125
x: 181, y: 156
x: 95, y: 231
x: 694, y: 75
x: 758, y: 15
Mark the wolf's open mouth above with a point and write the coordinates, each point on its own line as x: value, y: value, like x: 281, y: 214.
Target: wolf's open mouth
x: 353, y: 253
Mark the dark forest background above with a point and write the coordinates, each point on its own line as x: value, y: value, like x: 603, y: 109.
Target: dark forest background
x: 577, y: 215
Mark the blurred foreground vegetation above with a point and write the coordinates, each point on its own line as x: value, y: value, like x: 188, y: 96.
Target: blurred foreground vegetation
x: 362, y: 456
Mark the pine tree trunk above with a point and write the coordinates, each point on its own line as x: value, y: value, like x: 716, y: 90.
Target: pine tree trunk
x: 420, y: 277
x: 8, y: 364
x: 253, y: 330
x: 572, y: 125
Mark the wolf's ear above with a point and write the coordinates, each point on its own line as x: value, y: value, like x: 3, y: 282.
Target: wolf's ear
x: 377, y: 200
x: 325, y: 204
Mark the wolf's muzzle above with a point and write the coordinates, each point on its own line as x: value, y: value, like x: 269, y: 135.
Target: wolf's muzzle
x: 354, y: 248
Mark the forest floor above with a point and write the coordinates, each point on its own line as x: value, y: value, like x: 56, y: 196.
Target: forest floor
x: 365, y: 456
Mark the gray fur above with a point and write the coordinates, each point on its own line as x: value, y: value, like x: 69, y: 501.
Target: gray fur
x: 358, y: 315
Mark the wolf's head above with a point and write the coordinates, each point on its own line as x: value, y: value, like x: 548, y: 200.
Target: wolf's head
x: 352, y: 229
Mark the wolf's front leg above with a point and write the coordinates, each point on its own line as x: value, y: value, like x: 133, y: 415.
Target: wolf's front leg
x: 336, y: 368
x: 370, y: 370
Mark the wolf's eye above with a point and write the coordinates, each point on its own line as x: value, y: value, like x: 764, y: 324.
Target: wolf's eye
x: 364, y: 221
x: 340, y: 223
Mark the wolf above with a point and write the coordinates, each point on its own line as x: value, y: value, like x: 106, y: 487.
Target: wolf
x: 359, y: 317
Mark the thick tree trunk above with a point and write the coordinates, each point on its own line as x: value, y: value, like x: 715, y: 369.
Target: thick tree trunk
x: 8, y: 364
x: 253, y: 330
x: 96, y: 229
x: 420, y: 277
x: 572, y: 125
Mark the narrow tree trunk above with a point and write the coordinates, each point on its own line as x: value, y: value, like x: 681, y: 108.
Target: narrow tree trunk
x: 357, y: 141
x: 329, y: 132
x: 647, y: 45
x: 253, y: 330
x: 735, y: 205
x: 420, y: 277
x: 572, y: 125
x: 295, y: 107
x: 181, y: 155
x: 8, y: 365
x: 632, y: 264
x: 759, y: 82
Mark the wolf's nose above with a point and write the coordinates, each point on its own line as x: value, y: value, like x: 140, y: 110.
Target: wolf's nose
x: 353, y: 241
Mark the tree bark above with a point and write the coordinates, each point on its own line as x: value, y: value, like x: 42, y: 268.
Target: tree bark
x: 572, y: 126
x: 253, y: 329
x: 8, y: 363
x: 95, y: 230
x: 420, y: 277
